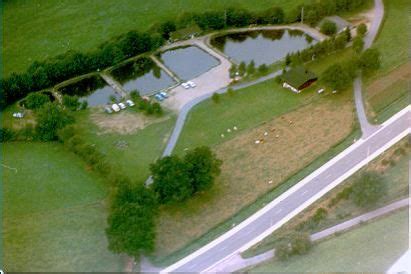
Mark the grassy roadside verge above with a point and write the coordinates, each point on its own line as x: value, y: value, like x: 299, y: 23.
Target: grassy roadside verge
x: 372, y: 247
x: 259, y: 203
x: 392, y: 166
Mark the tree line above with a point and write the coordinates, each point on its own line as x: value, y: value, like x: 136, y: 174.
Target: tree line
x: 51, y: 71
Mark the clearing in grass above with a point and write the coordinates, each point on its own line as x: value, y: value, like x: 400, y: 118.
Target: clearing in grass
x: 54, y: 212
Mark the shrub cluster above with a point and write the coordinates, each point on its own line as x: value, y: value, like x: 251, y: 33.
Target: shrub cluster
x: 295, y: 244
x: 176, y: 179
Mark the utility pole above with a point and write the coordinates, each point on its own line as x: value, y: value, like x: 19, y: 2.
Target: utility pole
x: 302, y: 15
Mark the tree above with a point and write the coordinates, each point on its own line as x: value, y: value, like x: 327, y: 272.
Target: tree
x: 202, y: 167
x: 361, y: 30
x: 35, y: 100
x: 233, y: 71
x: 274, y: 15
x: 71, y: 102
x: 341, y: 41
x: 251, y: 68
x: 358, y: 44
x: 236, y: 17
x: 242, y: 68
x: 84, y: 105
x: 262, y: 68
x: 131, y: 222
x: 51, y: 118
x: 336, y: 77
x: 215, y: 97
x: 370, y: 60
x: 166, y: 28
x: 368, y: 189
x: 328, y: 28
x: 157, y: 109
x: 301, y: 243
x: 171, y: 181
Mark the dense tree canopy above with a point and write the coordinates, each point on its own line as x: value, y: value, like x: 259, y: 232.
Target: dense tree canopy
x: 328, y: 27
x: 336, y: 77
x: 131, y: 223
x: 35, y: 100
x: 51, y: 118
x: 370, y: 60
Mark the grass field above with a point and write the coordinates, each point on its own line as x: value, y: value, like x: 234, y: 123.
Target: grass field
x: 387, y: 91
x: 392, y: 165
x: 131, y: 141
x: 54, y: 27
x: 372, y: 247
x: 54, y: 212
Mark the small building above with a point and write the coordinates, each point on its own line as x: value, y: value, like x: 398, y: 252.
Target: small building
x: 341, y: 23
x: 298, y: 78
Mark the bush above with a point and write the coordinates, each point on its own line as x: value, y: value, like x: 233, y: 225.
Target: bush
x: 328, y: 28
x: 71, y: 102
x: 6, y: 135
x: 370, y: 60
x: 358, y: 44
x: 320, y: 214
x: 301, y: 243
x: 368, y: 189
x: 361, y: 30
x: 35, y: 100
x: 336, y: 77
x: 282, y: 251
x: 215, y: 97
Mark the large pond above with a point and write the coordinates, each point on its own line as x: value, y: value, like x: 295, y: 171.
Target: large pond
x: 188, y: 62
x: 92, y: 89
x: 142, y: 75
x: 264, y: 47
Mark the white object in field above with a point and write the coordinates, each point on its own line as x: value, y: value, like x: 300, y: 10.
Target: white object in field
x: 228, y: 130
x: 257, y: 141
x: 320, y: 91
x: 235, y: 128
x: 18, y: 115
x: 334, y: 91
x: 265, y: 133
x: 222, y: 135
x: 121, y: 105
x: 276, y: 136
x: 270, y: 182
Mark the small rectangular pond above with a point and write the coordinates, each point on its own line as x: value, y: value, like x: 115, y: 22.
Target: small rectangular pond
x: 262, y: 46
x: 92, y: 89
x: 142, y: 75
x: 188, y: 62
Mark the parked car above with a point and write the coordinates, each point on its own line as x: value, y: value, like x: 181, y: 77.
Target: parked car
x: 191, y: 84
x: 130, y: 103
x: 115, y: 107
x: 122, y: 105
x: 185, y: 85
x: 165, y: 95
x: 158, y: 97
x: 108, y: 110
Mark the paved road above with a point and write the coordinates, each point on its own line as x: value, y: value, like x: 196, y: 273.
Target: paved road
x: 297, y: 198
x: 236, y: 262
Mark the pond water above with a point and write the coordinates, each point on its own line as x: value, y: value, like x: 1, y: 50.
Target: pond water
x: 142, y: 75
x: 264, y: 47
x: 92, y: 89
x: 188, y: 62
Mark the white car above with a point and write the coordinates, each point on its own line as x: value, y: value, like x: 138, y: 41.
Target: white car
x: 122, y: 105
x: 115, y: 107
x: 130, y: 103
x: 185, y: 85
x: 192, y: 84
x: 165, y: 95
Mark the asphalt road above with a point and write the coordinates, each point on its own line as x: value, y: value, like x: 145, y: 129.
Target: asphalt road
x: 212, y: 254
